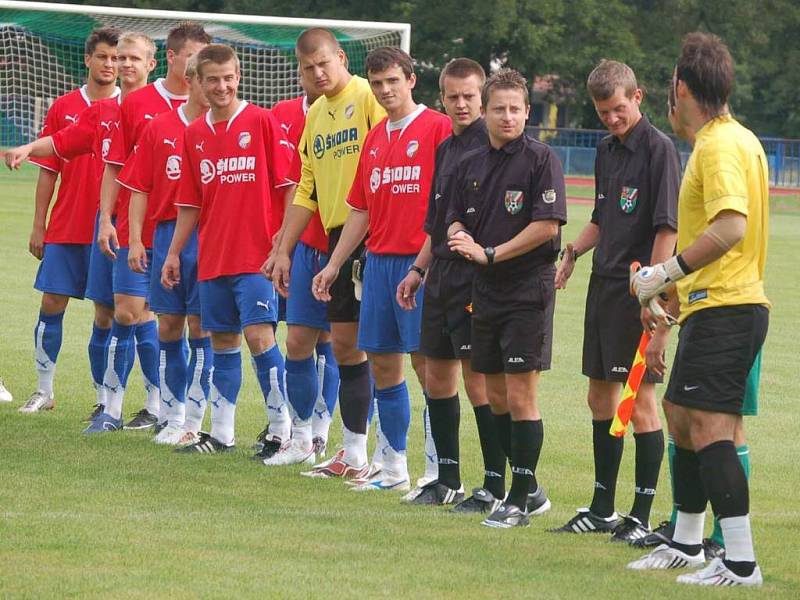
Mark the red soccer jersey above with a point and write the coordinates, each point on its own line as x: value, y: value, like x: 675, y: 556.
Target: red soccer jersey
x: 291, y: 114
x: 231, y: 171
x: 155, y: 168
x: 394, y: 178
x: 72, y: 217
x: 137, y: 110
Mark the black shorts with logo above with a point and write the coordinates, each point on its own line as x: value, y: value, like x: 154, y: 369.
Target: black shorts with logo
x: 343, y: 307
x: 513, y: 336
x: 611, y: 330
x: 446, y: 310
x: 716, y: 349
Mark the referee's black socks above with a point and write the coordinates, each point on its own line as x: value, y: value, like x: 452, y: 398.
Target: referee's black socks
x: 445, y: 416
x: 649, y: 453
x: 355, y: 396
x: 494, y: 458
x: 607, y: 456
x: 526, y: 445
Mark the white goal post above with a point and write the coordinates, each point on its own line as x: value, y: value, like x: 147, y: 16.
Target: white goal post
x: 41, y: 52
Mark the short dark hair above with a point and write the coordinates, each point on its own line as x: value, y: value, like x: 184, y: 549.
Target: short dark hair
x: 387, y: 57
x: 505, y: 79
x: 609, y: 75
x: 102, y: 35
x: 706, y: 67
x: 184, y: 32
x: 313, y: 39
x: 461, y: 68
x: 218, y: 54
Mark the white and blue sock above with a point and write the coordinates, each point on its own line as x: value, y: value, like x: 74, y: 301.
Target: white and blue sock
x: 431, y: 456
x: 97, y: 359
x: 226, y: 380
x: 119, y: 362
x: 328, y: 391
x: 47, y: 336
x: 269, y: 368
x: 172, y: 375
x: 201, y: 361
x: 394, y: 410
x: 147, y: 349
x: 302, y: 391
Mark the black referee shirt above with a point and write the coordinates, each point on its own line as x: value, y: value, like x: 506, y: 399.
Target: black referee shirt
x: 448, y: 155
x: 498, y: 193
x: 636, y: 192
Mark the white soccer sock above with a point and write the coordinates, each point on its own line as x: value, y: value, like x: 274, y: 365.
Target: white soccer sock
x: 738, y: 539
x: 320, y: 417
x: 46, y: 376
x: 223, y: 418
x: 280, y: 421
x: 302, y: 432
x: 114, y: 400
x: 431, y: 458
x: 355, y: 447
x: 153, y: 401
x: 380, y: 440
x: 395, y: 463
x: 100, y: 394
x: 195, y: 408
x: 689, y: 528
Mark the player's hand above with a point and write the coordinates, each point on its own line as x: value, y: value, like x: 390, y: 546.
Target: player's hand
x: 322, y: 282
x: 268, y: 266
x: 407, y: 291
x: 14, y: 157
x: 460, y: 235
x: 279, y: 272
x: 468, y: 248
x: 648, y: 282
x: 565, y: 268
x: 107, y: 238
x: 654, y: 356
x: 171, y: 271
x: 36, y: 242
x: 137, y: 257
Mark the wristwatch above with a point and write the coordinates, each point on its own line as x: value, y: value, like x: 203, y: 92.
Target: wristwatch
x: 564, y: 252
x: 489, y: 252
x: 417, y: 270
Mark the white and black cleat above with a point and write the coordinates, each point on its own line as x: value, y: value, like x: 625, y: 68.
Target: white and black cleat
x: 480, y: 502
x: 666, y: 557
x: 718, y: 574
x: 506, y: 517
x: 588, y: 522
x: 437, y: 494
x: 630, y: 530
x: 538, y: 503
x: 206, y: 445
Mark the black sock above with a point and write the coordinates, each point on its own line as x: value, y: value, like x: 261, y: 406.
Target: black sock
x: 689, y: 494
x: 649, y: 452
x: 526, y: 445
x: 445, y: 414
x: 503, y: 425
x: 607, y: 456
x: 494, y: 459
x: 355, y: 396
x: 726, y: 486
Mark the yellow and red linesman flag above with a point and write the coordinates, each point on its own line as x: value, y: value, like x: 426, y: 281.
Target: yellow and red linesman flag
x: 625, y: 409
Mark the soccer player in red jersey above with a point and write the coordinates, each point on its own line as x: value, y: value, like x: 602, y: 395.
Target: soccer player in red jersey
x: 389, y: 198
x: 153, y: 176
x: 64, y: 243
x: 234, y: 160
x: 132, y: 316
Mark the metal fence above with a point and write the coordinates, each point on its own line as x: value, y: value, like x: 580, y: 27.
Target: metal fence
x: 576, y: 149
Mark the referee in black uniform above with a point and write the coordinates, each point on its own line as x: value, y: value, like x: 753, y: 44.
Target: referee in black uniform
x: 637, y: 178
x: 505, y: 216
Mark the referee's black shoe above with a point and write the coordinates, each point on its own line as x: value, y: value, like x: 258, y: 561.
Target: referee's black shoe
x: 481, y: 501
x: 660, y: 535
x: 538, y: 502
x: 435, y: 493
x: 630, y: 530
x: 588, y: 522
x: 506, y: 517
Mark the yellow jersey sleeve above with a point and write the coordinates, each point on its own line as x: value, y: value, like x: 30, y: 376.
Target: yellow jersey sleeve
x: 724, y: 181
x: 304, y: 196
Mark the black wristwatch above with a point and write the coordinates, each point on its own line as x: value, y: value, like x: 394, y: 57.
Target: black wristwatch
x: 418, y: 271
x: 489, y: 252
x: 564, y: 252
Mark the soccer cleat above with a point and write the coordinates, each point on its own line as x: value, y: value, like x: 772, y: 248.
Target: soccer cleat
x: 142, y: 420
x: 159, y: 427
x: 660, y: 535
x: 38, y: 401
x: 716, y: 573
x: 712, y: 549
x: 481, y: 501
x: 384, y: 482
x: 270, y: 446
x: 373, y: 470
x: 337, y: 468
x: 630, y: 530
x: 5, y: 395
x: 666, y: 557
x: 506, y: 517
x: 292, y: 454
x: 188, y: 438
x: 439, y: 494
x: 170, y: 435
x: 320, y: 447
x: 103, y: 423
x: 538, y: 503
x: 206, y: 445
x: 96, y: 410
x: 587, y: 522
x: 325, y: 463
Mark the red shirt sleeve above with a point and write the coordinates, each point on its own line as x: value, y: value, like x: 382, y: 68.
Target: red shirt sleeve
x: 50, y: 127
x: 119, y: 149
x: 280, y: 152
x: 79, y: 137
x: 137, y: 174
x: 190, y: 193
x: 357, y: 198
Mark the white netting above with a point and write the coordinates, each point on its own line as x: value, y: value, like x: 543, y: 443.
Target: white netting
x: 41, y: 57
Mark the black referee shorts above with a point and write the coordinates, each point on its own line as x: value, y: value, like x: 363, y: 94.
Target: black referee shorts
x: 446, y: 310
x: 343, y: 307
x: 716, y: 349
x: 611, y: 330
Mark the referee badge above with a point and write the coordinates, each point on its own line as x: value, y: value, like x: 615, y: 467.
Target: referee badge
x: 628, y: 199
x: 513, y: 201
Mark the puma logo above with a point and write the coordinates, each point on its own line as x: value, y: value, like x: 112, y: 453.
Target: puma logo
x: 199, y: 147
x: 71, y: 118
x: 332, y: 113
x: 171, y: 142
x: 286, y: 127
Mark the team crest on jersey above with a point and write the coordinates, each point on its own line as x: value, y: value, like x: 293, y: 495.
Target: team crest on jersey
x: 412, y: 148
x: 173, y: 167
x: 349, y: 110
x: 207, y: 171
x: 549, y: 196
x: 244, y: 140
x: 513, y: 201
x: 375, y: 179
x: 628, y: 198
x: 105, y: 146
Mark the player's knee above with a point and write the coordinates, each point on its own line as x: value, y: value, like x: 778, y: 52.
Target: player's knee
x: 170, y: 327
x: 387, y: 369
x: 259, y: 337
x: 195, y: 329
x: 53, y: 304
x: 346, y: 352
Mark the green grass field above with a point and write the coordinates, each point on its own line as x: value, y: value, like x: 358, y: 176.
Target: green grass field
x: 116, y: 516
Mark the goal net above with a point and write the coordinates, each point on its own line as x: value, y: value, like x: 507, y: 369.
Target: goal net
x: 41, y: 52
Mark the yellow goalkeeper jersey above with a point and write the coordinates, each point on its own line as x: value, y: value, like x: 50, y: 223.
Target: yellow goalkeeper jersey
x: 331, y: 146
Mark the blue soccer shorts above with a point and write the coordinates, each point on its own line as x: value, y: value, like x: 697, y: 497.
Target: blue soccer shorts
x: 64, y: 270
x: 129, y: 282
x: 184, y: 298
x: 229, y: 304
x: 100, y: 282
x: 301, y: 307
